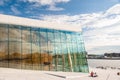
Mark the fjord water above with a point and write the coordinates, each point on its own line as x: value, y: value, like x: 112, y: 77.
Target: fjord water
x: 102, y: 62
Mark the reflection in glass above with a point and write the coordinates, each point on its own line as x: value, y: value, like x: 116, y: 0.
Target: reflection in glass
x: 41, y: 49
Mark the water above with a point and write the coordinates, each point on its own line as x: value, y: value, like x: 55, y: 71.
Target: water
x: 104, y: 63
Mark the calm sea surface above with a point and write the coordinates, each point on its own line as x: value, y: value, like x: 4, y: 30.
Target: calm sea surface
x: 100, y: 62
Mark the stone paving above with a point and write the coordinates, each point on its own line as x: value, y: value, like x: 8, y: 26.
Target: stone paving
x: 17, y: 74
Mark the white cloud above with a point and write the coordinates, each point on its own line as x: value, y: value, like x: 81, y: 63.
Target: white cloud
x: 15, y: 10
x: 53, y: 8
x: 106, y: 31
x: 50, y: 3
x: 1, y: 2
x: 113, y: 10
x: 101, y: 29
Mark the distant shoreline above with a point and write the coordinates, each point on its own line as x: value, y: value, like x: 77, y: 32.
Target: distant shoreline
x: 105, y: 58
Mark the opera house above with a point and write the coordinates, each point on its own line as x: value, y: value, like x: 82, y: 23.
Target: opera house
x: 41, y: 45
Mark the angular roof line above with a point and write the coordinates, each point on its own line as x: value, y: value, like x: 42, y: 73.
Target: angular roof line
x: 7, y: 19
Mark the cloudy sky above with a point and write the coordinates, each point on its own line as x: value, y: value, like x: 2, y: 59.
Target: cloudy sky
x: 99, y: 19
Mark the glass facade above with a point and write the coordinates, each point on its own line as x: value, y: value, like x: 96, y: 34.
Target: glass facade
x: 41, y: 49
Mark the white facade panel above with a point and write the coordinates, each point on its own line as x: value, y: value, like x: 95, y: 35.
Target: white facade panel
x: 7, y: 19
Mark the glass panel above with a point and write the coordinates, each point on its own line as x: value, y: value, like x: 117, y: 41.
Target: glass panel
x: 57, y: 36
x: 42, y: 49
x: 4, y: 46
x: 35, y: 49
x: 63, y: 51
x: 70, y: 52
x: 50, y: 50
x: 14, y: 46
x: 26, y: 48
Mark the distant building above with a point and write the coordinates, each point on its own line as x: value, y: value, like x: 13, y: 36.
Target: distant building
x: 39, y: 45
x: 95, y: 56
x: 112, y: 55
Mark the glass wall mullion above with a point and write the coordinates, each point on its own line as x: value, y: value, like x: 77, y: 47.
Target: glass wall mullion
x: 8, y: 45
x: 62, y: 52
x: 31, y: 63
x: 39, y: 42
x: 48, y: 50
x: 21, y: 48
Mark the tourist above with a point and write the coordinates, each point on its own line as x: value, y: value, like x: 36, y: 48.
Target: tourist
x: 95, y: 75
x: 118, y: 73
x: 91, y: 74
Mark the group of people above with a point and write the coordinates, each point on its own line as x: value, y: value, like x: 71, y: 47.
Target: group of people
x: 93, y: 74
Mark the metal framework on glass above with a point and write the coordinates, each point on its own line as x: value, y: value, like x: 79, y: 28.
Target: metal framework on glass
x: 41, y: 49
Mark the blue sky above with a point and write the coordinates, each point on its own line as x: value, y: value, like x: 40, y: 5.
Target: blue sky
x: 100, y: 19
x: 29, y: 8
